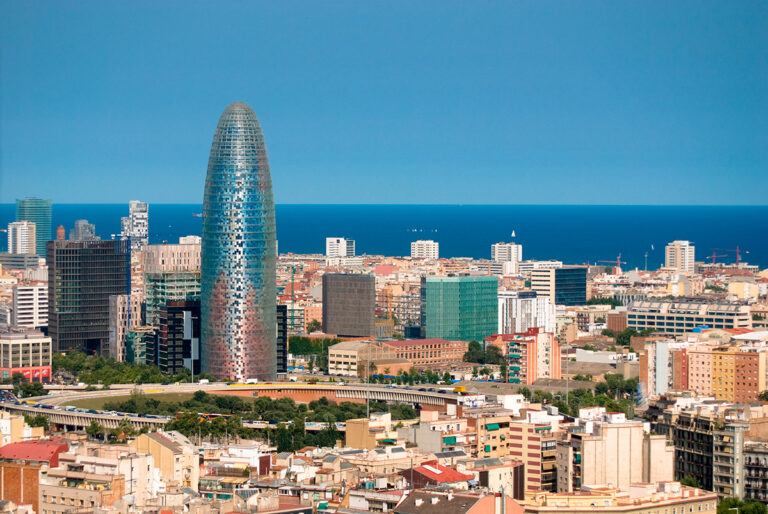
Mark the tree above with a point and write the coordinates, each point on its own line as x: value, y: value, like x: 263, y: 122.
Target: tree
x: 314, y: 326
x: 728, y: 505
x: 763, y: 396
x: 613, y: 302
x: 94, y: 430
x: 29, y: 389
x: 38, y: 421
x: 690, y: 481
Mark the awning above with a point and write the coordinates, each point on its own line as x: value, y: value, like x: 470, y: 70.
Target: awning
x: 388, y: 441
x: 492, y: 426
x: 487, y: 448
x: 449, y: 440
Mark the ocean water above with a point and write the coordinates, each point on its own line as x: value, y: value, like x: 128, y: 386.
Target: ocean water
x: 573, y: 234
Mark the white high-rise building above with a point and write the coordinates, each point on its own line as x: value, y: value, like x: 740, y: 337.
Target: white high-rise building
x: 135, y: 227
x: 680, y: 255
x: 506, y: 252
x: 22, y: 236
x: 190, y: 240
x: 521, y: 310
x: 339, y: 247
x: 425, y: 249
x: 30, y: 305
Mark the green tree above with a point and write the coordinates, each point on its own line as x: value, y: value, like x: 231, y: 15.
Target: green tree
x: 38, y: 421
x: 314, y: 326
x: 690, y: 481
x: 29, y: 389
x: 613, y: 302
x: 94, y: 430
x: 763, y: 396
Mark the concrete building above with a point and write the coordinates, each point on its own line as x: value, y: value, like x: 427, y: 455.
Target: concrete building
x: 530, y: 355
x: 170, y: 257
x: 681, y: 316
x: 339, y: 247
x: 22, y: 237
x: 190, y: 240
x: 680, y: 256
x: 354, y: 358
x: 175, y: 456
x: 135, y: 227
x: 533, y: 440
x: 669, y: 497
x: 125, y: 313
x: 65, y: 491
x: 178, y: 337
x: 83, y: 231
x: 21, y: 467
x: 349, y: 304
x: 566, y: 285
x: 425, y: 249
x: 26, y: 352
x: 520, y: 311
x: 82, y: 275
x: 605, y: 448
x: 507, y: 252
x: 427, y: 353
x: 30, y: 305
x: 459, y: 308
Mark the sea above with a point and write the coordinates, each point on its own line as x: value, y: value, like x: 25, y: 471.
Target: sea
x: 574, y: 234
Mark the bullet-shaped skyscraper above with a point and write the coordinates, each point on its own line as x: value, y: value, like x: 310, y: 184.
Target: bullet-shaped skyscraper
x: 238, y: 302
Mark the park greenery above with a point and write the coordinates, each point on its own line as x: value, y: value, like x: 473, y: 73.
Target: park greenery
x: 92, y: 369
x: 316, y: 349
x: 616, y: 394
x: 624, y: 337
x: 728, y: 505
x: 490, y: 355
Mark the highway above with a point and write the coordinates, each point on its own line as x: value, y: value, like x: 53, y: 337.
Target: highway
x: 70, y: 417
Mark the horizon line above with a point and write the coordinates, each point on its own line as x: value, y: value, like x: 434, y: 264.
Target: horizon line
x: 440, y: 204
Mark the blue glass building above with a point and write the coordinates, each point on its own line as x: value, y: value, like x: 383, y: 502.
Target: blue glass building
x: 238, y: 300
x: 38, y: 211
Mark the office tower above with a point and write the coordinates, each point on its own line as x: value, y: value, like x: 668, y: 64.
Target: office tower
x: 520, y: 311
x: 349, y: 304
x: 425, y: 249
x: 82, y: 275
x: 135, y: 227
x: 178, y: 343
x: 30, y: 305
x: 673, y: 316
x: 459, y: 308
x: 506, y: 252
x: 563, y: 286
x: 37, y: 211
x: 61, y: 233
x: 239, y: 293
x: 171, y: 272
x: 339, y: 247
x: 680, y: 255
x: 83, y: 231
x: 22, y: 238
x: 125, y: 313
x: 282, y: 338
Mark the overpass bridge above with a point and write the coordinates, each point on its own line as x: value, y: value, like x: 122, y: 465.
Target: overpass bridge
x: 72, y: 418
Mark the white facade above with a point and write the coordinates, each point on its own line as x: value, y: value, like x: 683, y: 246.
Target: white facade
x: 506, y: 252
x: 135, y: 227
x: 22, y: 237
x: 339, y: 247
x: 521, y: 310
x: 526, y: 267
x: 124, y: 314
x: 680, y: 255
x: 425, y: 249
x: 30, y: 305
x: 190, y: 240
x: 180, y: 257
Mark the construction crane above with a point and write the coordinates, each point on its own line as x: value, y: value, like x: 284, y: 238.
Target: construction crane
x: 618, y: 262
x: 736, y: 250
x: 715, y: 256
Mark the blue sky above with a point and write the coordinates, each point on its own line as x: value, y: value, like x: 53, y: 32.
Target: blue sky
x: 390, y: 102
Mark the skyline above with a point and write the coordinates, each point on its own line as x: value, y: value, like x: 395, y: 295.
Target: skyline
x: 597, y: 101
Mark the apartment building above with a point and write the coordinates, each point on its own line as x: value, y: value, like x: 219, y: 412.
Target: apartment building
x: 530, y: 355
x: 679, y: 316
x: 22, y: 237
x: 27, y: 352
x: 353, y: 358
x: 425, y: 249
x: 339, y: 247
x: 30, y: 305
x: 522, y: 310
x: 125, y: 313
x: 680, y: 256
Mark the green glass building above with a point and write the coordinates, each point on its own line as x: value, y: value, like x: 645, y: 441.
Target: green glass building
x: 161, y: 287
x: 38, y: 211
x: 459, y: 308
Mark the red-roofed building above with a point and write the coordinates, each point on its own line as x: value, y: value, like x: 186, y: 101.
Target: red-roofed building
x: 20, y: 465
x: 429, y: 352
x: 433, y: 473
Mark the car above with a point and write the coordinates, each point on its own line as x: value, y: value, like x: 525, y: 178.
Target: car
x: 423, y: 389
x: 165, y: 383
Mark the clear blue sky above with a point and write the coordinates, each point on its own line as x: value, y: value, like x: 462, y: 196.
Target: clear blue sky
x: 390, y: 102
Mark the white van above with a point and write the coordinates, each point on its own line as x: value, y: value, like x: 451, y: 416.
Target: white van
x: 204, y: 381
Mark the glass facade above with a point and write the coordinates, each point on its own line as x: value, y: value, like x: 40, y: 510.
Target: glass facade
x: 459, y: 308
x: 571, y: 286
x: 37, y: 211
x: 238, y: 307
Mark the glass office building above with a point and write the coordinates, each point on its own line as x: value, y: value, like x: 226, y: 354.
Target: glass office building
x: 38, y: 211
x: 238, y: 307
x: 462, y: 308
x: 571, y: 286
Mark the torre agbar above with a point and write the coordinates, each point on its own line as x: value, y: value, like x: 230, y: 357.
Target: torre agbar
x: 238, y: 304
